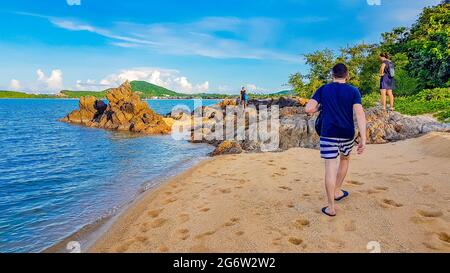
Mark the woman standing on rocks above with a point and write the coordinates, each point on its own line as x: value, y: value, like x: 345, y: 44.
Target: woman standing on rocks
x: 387, y: 81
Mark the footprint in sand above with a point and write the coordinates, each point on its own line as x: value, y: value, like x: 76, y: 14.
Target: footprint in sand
x: 285, y: 188
x: 142, y: 239
x: 387, y: 203
x: 355, y: 183
x: 225, y: 191
x: 183, y: 218
x: 154, y: 213
x: 301, y: 223
x: 430, y: 213
x: 438, y: 241
x: 232, y: 222
x: 170, y: 200
x: 183, y: 234
x: 376, y: 190
x: 371, y: 191
x: 444, y: 237
x: 163, y: 249
x: 124, y: 247
x: 206, y: 234
x: 144, y: 228
x: 295, y: 241
x: 158, y: 223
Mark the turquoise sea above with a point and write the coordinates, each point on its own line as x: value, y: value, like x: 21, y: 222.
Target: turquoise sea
x: 57, y: 178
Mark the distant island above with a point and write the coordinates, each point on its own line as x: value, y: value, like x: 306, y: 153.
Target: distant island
x: 145, y: 89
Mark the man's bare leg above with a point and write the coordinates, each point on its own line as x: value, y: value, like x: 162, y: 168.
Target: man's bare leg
x: 341, y: 174
x: 331, y: 169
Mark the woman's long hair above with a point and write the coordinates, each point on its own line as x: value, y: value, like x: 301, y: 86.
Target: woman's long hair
x: 385, y: 55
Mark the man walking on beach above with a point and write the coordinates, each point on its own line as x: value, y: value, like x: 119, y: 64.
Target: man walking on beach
x: 339, y: 101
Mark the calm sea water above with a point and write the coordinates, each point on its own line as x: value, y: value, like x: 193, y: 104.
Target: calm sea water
x: 56, y: 178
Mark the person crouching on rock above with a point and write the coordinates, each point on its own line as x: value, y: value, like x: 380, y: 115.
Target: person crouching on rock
x: 339, y: 101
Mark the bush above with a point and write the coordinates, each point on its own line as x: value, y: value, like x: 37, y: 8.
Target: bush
x: 404, y: 84
x: 431, y: 101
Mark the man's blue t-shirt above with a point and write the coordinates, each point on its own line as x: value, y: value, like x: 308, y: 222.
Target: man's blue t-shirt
x: 337, y: 100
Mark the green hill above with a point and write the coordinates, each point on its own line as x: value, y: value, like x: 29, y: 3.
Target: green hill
x: 78, y: 94
x: 146, y: 90
x: 285, y: 93
x: 20, y: 95
x: 151, y: 90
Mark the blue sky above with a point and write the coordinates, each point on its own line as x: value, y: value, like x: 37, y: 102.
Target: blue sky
x: 190, y: 46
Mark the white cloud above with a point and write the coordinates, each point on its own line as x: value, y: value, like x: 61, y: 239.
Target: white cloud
x: 246, y: 38
x: 53, y: 83
x: 15, y: 85
x: 73, y: 2
x: 167, y: 78
x: 43, y: 84
x: 256, y: 89
x: 90, y: 85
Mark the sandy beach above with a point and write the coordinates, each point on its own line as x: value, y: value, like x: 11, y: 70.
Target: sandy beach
x: 400, y: 198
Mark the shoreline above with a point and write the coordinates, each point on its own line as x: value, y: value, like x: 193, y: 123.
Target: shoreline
x: 271, y: 203
x: 91, y: 232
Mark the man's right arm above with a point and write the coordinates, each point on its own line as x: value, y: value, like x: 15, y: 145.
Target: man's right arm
x: 311, y: 107
x: 383, y: 67
x: 362, y: 125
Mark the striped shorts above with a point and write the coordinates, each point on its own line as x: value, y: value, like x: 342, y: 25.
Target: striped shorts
x: 330, y: 148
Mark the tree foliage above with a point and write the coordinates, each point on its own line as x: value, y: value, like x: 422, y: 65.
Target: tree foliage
x: 421, y: 55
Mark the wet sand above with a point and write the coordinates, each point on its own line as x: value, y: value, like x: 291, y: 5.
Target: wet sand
x: 400, y: 198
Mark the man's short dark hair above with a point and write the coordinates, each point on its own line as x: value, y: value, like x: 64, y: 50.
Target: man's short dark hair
x: 340, y: 71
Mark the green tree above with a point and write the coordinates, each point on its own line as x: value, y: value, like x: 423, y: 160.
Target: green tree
x: 321, y: 62
x: 297, y: 83
x: 357, y: 58
x: 426, y: 46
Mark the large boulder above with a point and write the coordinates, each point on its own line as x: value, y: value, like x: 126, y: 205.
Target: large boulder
x: 125, y: 112
x: 297, y: 129
x: 385, y: 127
x: 227, y: 148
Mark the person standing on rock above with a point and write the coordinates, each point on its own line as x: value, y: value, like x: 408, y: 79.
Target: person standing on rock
x: 339, y: 101
x: 244, y: 97
x: 241, y: 99
x: 387, y: 81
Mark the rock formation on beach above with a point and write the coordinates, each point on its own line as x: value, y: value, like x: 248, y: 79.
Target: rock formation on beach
x: 125, y: 112
x: 296, y: 128
x: 387, y: 127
